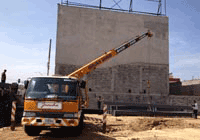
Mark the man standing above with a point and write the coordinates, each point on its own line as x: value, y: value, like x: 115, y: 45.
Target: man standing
x: 195, y: 109
x: 99, y: 102
x: 3, y: 77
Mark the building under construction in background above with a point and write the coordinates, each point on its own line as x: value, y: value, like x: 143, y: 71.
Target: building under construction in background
x: 137, y: 79
x: 138, y: 75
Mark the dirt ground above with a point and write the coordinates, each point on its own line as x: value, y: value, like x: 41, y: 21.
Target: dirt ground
x: 120, y: 128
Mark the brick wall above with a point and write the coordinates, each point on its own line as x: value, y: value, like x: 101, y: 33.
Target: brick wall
x: 175, y: 88
x: 190, y: 90
x: 183, y: 100
x: 125, y: 83
x: 174, y: 100
x: 127, y: 98
x: 113, y: 84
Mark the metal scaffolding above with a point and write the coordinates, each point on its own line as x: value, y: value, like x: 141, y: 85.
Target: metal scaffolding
x: 119, y: 8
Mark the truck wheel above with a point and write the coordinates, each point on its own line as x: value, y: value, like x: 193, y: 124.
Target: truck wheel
x: 81, y: 122
x: 80, y: 125
x: 32, y: 130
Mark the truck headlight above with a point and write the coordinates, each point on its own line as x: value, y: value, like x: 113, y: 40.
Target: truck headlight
x: 69, y: 115
x: 29, y: 114
x: 75, y: 114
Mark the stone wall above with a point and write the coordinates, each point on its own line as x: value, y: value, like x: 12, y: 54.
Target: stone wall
x: 127, y: 98
x: 175, y: 88
x: 173, y: 100
x: 183, y: 100
x: 190, y: 90
x: 113, y: 84
x: 196, y: 89
x: 126, y: 83
x: 125, y: 78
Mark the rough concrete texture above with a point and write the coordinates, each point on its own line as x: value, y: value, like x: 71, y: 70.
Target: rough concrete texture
x: 126, y: 78
x: 130, y: 98
x: 83, y: 34
x: 183, y: 100
x: 126, y: 83
x: 173, y: 100
x: 178, y: 89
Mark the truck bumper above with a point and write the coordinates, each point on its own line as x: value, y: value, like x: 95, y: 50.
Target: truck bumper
x: 50, y: 122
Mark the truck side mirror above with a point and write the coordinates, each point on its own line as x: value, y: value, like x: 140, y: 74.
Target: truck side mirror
x: 82, y: 84
x: 26, y: 82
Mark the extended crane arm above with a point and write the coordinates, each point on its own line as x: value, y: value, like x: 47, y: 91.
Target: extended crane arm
x: 92, y: 65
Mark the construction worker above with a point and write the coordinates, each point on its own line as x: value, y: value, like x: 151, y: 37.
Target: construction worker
x: 3, y: 77
x: 195, y: 109
x: 99, y: 101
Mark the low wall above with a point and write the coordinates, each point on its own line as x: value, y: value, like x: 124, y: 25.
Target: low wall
x: 126, y: 98
x: 183, y: 100
x: 173, y: 100
x: 178, y: 89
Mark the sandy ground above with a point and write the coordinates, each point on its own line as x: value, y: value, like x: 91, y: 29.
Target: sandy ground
x: 120, y: 128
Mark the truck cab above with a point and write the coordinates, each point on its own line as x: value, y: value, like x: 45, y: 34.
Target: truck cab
x: 52, y: 102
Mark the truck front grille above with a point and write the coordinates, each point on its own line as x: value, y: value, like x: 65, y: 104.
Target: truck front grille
x: 50, y: 114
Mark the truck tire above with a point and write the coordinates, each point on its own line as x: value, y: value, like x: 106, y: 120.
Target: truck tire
x: 81, y: 121
x: 80, y: 125
x: 32, y: 130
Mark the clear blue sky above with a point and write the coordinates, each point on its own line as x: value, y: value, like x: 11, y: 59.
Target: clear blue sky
x: 26, y: 27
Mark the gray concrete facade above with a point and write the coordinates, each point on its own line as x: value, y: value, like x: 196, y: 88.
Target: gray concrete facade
x: 83, y: 34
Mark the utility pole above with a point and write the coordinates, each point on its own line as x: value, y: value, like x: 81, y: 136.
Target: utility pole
x: 100, y: 5
x: 48, y: 63
x: 130, y: 7
x: 165, y: 8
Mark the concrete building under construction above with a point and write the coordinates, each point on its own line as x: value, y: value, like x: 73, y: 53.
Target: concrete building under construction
x: 84, y: 33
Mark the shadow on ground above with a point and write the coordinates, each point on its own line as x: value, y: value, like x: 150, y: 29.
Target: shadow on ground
x: 89, y: 132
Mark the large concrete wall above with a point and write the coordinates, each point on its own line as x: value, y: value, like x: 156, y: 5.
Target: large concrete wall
x: 84, y: 34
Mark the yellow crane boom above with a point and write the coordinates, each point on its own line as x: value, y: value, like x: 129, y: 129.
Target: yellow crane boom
x: 108, y: 55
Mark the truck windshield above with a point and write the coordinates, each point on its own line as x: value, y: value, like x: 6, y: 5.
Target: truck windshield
x: 52, y: 87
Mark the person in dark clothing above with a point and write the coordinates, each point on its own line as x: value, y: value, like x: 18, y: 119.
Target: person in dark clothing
x: 3, y: 76
x: 99, y: 100
x: 26, y: 84
x: 2, y: 109
x: 195, y: 109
